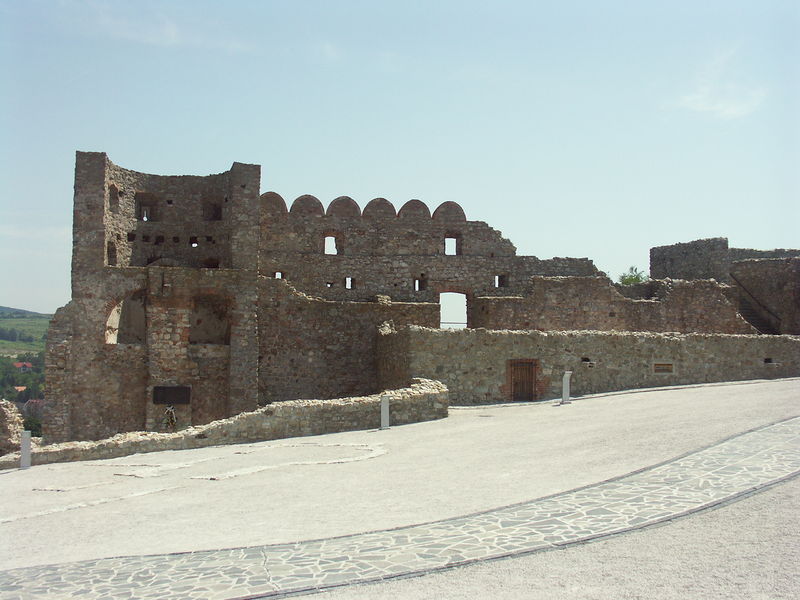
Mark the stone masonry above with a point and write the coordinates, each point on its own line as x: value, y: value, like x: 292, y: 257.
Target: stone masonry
x: 195, y: 299
x: 480, y: 366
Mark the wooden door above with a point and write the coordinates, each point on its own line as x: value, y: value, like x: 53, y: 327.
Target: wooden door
x: 523, y: 380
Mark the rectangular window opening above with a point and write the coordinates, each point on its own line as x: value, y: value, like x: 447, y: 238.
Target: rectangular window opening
x: 500, y: 281
x: 331, y: 247
x: 663, y: 367
x: 420, y: 284
x: 452, y: 245
x: 278, y: 275
x: 193, y: 241
x: 348, y: 283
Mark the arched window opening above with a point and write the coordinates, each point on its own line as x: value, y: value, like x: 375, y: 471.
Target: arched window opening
x: 210, y: 321
x: 452, y: 310
x: 126, y: 323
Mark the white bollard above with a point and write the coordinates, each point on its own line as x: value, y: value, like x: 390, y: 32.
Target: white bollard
x: 25, y: 450
x: 565, y: 387
x: 384, y: 412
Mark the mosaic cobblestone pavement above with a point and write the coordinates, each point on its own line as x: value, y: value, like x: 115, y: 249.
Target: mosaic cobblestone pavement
x: 704, y: 478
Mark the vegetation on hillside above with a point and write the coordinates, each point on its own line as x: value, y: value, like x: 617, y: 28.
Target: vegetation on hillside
x: 22, y: 331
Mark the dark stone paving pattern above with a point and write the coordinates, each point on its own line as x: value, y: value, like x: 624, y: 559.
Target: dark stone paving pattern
x: 687, y: 484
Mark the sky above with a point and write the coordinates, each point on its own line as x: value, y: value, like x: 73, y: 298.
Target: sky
x: 584, y: 129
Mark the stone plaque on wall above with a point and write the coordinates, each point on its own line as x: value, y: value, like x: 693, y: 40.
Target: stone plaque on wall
x: 172, y: 394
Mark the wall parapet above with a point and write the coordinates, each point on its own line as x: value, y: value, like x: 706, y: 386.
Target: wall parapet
x: 422, y: 400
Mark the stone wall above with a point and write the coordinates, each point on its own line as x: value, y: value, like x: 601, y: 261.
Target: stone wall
x: 102, y: 364
x: 421, y: 401
x: 314, y: 348
x: 475, y: 364
x: 10, y: 427
x: 569, y: 303
x: 199, y: 294
x: 705, y: 259
x: 772, y: 287
x: 699, y: 259
x: 402, y: 255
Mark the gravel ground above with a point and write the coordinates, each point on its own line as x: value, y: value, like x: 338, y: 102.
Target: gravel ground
x: 306, y: 488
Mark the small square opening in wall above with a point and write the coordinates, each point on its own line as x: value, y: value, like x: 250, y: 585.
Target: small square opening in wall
x: 329, y: 284
x: 193, y: 241
x: 278, y: 275
x: 663, y: 367
x: 768, y: 361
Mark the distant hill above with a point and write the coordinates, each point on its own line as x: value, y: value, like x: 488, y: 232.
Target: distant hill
x: 22, y: 331
x: 13, y: 313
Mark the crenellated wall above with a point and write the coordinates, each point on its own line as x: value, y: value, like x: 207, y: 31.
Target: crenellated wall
x: 410, y: 255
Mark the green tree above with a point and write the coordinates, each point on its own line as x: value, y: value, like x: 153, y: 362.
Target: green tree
x: 633, y: 275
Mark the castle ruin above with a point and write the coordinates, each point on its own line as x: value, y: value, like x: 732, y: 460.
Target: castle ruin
x: 203, y: 294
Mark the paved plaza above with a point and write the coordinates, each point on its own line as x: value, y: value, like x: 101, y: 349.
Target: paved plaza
x: 487, y: 483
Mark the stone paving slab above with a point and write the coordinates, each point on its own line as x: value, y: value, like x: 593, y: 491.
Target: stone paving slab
x: 687, y: 484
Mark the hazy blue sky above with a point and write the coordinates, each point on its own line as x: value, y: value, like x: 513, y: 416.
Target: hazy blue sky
x: 596, y: 128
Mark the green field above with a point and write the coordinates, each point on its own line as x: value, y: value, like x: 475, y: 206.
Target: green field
x: 27, y: 323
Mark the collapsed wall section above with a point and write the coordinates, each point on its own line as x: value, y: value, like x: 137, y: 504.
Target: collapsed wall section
x: 481, y: 366
x: 709, y: 258
x: 570, y: 303
x: 420, y: 401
